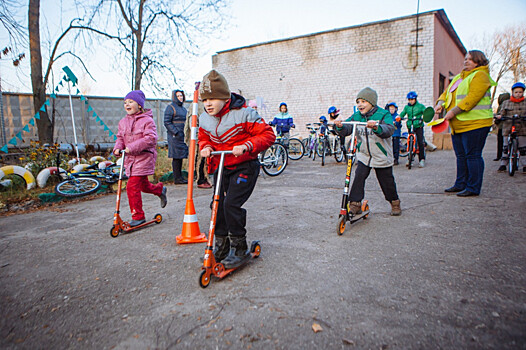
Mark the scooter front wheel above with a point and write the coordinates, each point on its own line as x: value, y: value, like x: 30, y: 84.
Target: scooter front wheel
x: 204, y: 279
x: 115, y: 230
x: 255, y: 249
x: 158, y: 218
x: 341, y: 225
x: 365, y: 207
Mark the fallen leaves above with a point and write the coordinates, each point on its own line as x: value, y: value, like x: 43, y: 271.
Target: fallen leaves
x: 316, y: 327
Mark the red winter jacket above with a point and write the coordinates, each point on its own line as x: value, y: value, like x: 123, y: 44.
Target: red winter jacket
x: 239, y: 126
x: 139, y: 134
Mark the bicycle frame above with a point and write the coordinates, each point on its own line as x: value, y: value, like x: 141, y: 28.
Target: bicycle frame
x: 513, y: 147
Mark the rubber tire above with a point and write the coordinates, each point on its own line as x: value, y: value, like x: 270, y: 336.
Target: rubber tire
x: 339, y: 155
x: 91, y: 183
x: 298, y: 146
x: 256, y: 248
x: 270, y: 152
x: 342, y: 220
x: 410, y: 154
x: 324, y: 151
x: 512, y: 160
x: 319, y: 147
x: 403, y: 146
x: 203, y: 281
x: 114, y: 232
x: 158, y: 218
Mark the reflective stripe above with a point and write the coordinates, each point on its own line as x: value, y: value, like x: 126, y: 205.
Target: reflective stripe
x: 190, y: 218
x: 481, y: 107
x: 487, y: 94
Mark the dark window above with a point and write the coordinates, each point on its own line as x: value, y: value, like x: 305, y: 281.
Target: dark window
x: 441, y: 84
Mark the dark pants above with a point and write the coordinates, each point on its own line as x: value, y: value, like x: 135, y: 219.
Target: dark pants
x: 468, y: 148
x: 419, y: 132
x: 500, y: 143
x: 177, y: 165
x: 134, y: 187
x: 201, y: 179
x: 396, y: 147
x: 385, y: 179
x: 236, y: 187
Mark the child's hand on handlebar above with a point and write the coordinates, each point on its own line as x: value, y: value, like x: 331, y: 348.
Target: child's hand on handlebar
x: 338, y: 123
x: 372, y: 124
x: 239, y: 150
x: 206, y: 152
x: 117, y: 152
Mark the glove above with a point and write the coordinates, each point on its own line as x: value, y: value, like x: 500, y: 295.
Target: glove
x: 398, y: 119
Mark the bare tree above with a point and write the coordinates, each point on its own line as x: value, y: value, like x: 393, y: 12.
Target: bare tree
x: 506, y: 51
x: 155, y: 36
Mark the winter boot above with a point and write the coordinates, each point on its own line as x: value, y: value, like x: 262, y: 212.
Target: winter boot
x: 354, y: 208
x: 222, y: 247
x: 239, y: 253
x: 395, y: 208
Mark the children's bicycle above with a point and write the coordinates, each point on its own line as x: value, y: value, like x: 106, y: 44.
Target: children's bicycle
x: 331, y: 146
x: 294, y: 146
x: 345, y: 213
x: 513, y: 144
x: 274, y: 159
x: 412, y: 147
x: 311, y: 143
x: 211, y: 267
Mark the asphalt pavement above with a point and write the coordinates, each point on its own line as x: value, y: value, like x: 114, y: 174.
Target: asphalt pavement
x: 450, y: 273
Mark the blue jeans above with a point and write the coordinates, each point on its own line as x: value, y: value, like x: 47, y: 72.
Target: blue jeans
x: 470, y: 164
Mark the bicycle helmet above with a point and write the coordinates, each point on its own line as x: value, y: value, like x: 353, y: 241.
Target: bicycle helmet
x: 283, y: 104
x: 391, y: 104
x: 322, y: 118
x: 334, y: 110
x: 518, y: 85
x: 412, y: 95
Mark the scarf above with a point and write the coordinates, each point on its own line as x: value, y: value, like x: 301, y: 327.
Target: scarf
x: 516, y: 100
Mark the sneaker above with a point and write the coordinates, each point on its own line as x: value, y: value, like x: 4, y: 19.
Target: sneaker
x: 204, y: 185
x: 163, y: 198
x: 396, y: 162
x: 134, y: 223
x: 502, y: 169
x: 181, y: 181
x: 422, y: 163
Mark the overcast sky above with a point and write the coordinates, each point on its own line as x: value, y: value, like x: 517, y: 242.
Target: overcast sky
x: 255, y: 21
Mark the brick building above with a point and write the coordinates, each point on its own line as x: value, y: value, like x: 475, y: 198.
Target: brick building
x: 312, y: 72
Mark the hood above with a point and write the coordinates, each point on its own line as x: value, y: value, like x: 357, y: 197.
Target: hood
x: 174, y: 97
x: 237, y: 101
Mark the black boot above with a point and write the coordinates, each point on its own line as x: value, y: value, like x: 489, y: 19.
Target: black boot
x: 222, y: 247
x: 239, y: 253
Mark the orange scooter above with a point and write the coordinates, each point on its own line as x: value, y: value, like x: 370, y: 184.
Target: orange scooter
x: 210, y: 265
x: 120, y: 225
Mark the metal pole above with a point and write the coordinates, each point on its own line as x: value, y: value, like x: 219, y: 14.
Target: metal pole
x: 73, y: 122
x: 2, y: 122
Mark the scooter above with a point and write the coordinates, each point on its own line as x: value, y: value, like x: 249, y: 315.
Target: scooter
x: 345, y: 214
x: 210, y: 266
x: 120, y: 225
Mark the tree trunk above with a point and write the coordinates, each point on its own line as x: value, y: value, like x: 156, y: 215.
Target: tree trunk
x: 44, y: 125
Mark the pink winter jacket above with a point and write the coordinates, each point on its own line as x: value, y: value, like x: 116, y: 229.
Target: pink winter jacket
x: 139, y: 134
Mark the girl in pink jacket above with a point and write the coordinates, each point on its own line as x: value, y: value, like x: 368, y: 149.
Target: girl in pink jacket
x: 137, y: 136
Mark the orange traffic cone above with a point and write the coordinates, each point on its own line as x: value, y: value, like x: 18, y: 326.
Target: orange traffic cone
x: 191, y: 232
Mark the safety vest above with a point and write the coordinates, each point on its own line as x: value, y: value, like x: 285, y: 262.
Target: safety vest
x: 483, y: 108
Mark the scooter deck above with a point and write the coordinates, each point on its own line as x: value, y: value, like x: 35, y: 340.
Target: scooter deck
x: 354, y: 218
x: 125, y: 227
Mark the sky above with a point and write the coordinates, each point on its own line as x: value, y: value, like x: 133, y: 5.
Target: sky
x: 256, y: 21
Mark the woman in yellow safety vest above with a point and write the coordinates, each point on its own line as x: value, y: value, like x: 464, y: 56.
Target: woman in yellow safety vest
x: 467, y: 101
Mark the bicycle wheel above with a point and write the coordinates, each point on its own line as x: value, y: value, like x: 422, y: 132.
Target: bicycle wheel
x: 77, y: 187
x: 410, y: 155
x: 324, y: 151
x: 338, y: 150
x: 319, y: 147
x: 296, y: 149
x: 512, y: 160
x: 306, y: 143
x: 274, y: 159
x: 403, y: 146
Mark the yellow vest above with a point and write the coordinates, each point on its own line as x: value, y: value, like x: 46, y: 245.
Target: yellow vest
x: 483, y: 108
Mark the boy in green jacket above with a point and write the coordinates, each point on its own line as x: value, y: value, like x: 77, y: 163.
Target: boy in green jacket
x: 415, y: 120
x: 375, y: 150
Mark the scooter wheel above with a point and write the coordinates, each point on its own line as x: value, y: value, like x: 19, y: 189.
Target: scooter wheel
x: 341, y: 224
x: 256, y: 249
x: 158, y: 218
x: 115, y: 230
x: 364, y: 209
x: 204, y: 279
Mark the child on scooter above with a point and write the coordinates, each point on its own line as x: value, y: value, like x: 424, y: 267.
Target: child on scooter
x: 137, y: 136
x: 415, y: 120
x: 227, y: 125
x: 397, y: 122
x: 374, y: 150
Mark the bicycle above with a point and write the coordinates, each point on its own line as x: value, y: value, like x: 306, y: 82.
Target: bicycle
x: 274, y: 159
x: 513, y: 144
x: 85, y: 182
x: 331, y: 147
x: 345, y: 214
x: 311, y: 143
x: 412, y: 147
x: 294, y: 146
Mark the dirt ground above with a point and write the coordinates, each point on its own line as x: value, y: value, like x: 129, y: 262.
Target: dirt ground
x: 449, y: 273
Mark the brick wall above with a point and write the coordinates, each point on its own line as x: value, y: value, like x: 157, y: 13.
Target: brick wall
x: 312, y: 72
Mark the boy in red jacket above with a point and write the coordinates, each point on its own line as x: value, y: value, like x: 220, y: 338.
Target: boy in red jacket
x: 228, y: 125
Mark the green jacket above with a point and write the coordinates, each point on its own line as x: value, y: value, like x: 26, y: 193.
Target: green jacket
x: 415, y: 115
x: 375, y: 148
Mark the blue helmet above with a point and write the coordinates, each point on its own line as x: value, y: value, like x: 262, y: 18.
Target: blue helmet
x: 322, y: 118
x: 412, y: 95
x: 391, y: 104
x: 518, y: 85
x: 333, y: 109
x: 282, y: 104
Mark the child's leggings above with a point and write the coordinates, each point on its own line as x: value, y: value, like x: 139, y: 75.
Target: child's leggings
x: 136, y: 185
x: 421, y: 143
x: 385, y: 179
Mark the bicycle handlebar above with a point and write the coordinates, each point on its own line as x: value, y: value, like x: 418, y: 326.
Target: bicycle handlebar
x: 513, y: 117
x: 355, y: 123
